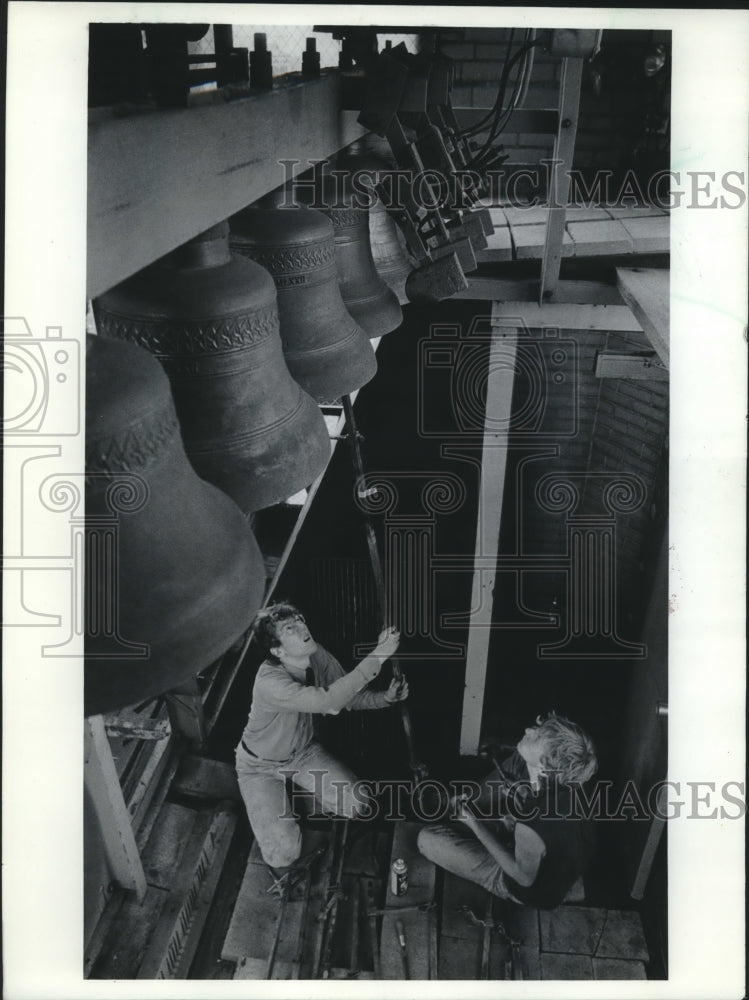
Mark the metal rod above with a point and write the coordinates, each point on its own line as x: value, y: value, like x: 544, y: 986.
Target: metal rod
x: 330, y: 913
x: 416, y: 767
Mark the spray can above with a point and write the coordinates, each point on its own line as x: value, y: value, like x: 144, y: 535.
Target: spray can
x: 398, y: 877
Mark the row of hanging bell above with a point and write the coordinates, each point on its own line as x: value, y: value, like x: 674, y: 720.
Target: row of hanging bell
x: 173, y: 572
x: 211, y: 318
x: 389, y: 251
x: 326, y: 350
x: 374, y: 305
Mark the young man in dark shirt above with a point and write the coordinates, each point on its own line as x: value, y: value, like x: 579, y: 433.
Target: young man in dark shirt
x: 297, y: 680
x: 537, y: 849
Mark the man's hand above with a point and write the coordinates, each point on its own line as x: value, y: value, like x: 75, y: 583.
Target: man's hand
x: 387, y: 643
x: 398, y: 691
x: 462, y: 813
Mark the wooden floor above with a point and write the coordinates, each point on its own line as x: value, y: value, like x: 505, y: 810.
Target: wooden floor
x: 442, y: 928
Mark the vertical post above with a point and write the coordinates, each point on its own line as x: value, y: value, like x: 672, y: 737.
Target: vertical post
x: 559, y: 182
x: 500, y: 379
x: 103, y: 786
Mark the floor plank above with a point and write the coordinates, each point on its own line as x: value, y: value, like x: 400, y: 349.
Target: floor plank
x: 623, y: 936
x: 566, y: 967
x: 618, y: 968
x: 573, y: 929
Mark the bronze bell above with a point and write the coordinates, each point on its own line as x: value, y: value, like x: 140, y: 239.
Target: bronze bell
x: 326, y: 350
x: 373, y: 305
x: 389, y: 250
x: 211, y: 319
x: 173, y: 571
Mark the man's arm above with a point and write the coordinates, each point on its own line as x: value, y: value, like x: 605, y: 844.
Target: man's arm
x: 523, y: 864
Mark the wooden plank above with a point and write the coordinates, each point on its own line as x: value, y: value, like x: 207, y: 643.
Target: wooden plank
x: 421, y: 883
x: 536, y: 215
x: 516, y: 290
x: 529, y: 242
x: 501, y: 376
x: 649, y: 235
x: 559, y: 181
x: 618, y: 968
x: 103, y: 786
x: 566, y: 316
x: 253, y: 922
x: 623, y: 936
x: 171, y: 831
x: 457, y: 893
x: 572, y: 929
x: 123, y: 947
x: 599, y: 237
x: 498, y: 217
x: 579, y: 213
x: 498, y: 246
x: 156, y: 179
x: 522, y: 925
x: 646, y: 292
x: 175, y: 936
x: 134, y: 728
x: 610, y: 364
x: 566, y: 967
x: 459, y: 958
x: 634, y: 211
x: 203, y: 778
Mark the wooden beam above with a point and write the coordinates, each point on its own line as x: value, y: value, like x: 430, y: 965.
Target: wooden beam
x: 522, y: 290
x: 559, y: 183
x: 609, y: 364
x: 103, y: 786
x: 566, y: 316
x: 500, y: 379
x: 646, y: 292
x: 157, y: 179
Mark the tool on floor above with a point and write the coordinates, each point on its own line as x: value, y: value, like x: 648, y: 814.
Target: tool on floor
x: 400, y: 931
x: 329, y: 912
x: 372, y: 913
x: 417, y: 768
x: 295, y: 873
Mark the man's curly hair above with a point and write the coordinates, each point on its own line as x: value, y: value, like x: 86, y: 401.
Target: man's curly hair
x: 570, y: 751
x: 265, y: 624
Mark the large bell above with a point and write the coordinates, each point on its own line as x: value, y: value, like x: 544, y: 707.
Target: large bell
x: 326, y: 350
x: 211, y: 319
x: 173, y: 572
x: 373, y: 305
x: 389, y: 250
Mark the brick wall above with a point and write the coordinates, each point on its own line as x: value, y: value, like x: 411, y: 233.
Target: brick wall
x: 620, y: 426
x: 610, y: 123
